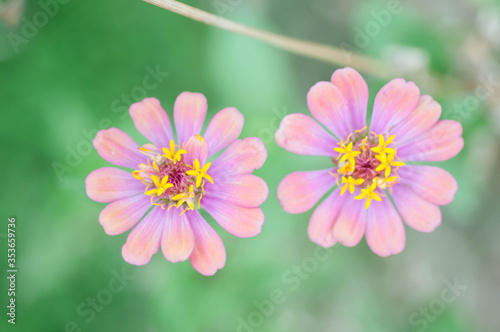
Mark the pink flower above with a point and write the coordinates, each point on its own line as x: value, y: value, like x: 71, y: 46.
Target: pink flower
x: 172, y: 180
x: 369, y: 163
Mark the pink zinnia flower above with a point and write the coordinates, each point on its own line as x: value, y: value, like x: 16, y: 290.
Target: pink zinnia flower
x: 172, y: 180
x: 370, y: 162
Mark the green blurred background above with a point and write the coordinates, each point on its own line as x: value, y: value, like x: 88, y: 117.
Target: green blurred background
x: 79, y: 71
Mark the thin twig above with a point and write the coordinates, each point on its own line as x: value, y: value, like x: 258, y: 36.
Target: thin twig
x: 313, y: 50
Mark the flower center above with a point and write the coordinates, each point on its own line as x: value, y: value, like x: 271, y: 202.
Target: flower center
x: 170, y: 180
x: 368, y: 161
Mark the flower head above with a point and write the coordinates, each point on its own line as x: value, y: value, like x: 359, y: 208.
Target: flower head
x: 371, y: 162
x: 172, y: 179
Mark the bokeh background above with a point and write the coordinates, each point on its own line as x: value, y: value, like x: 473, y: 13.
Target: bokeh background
x: 79, y: 70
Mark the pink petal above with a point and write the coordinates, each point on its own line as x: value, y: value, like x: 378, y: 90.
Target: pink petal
x: 109, y: 184
x: 122, y: 215
x: 208, y: 254
x: 355, y: 91
x: 442, y: 142
x: 433, y: 184
x: 152, y: 121
x: 298, y: 133
x: 351, y: 222
x: 415, y: 211
x: 245, y: 190
x: 385, y: 232
x: 177, y: 241
x: 118, y: 148
x: 394, y: 103
x: 239, y: 221
x: 328, y: 105
x: 190, y: 110
x: 323, y: 219
x: 241, y: 157
x: 300, y: 191
x: 144, y: 240
x: 224, y: 129
x: 420, y: 120
x: 196, y: 148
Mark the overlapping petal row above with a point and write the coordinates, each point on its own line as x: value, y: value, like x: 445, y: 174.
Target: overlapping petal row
x: 171, y: 179
x: 370, y: 162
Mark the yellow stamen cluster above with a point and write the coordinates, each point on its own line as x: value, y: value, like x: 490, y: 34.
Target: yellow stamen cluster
x: 377, y: 169
x: 169, y: 181
x: 382, y: 145
x: 161, y: 186
x: 187, y: 198
x: 346, y: 153
x: 347, y: 159
x: 369, y: 193
x: 172, y: 154
x: 200, y: 173
x: 350, y: 183
x: 386, y: 155
x: 386, y: 162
